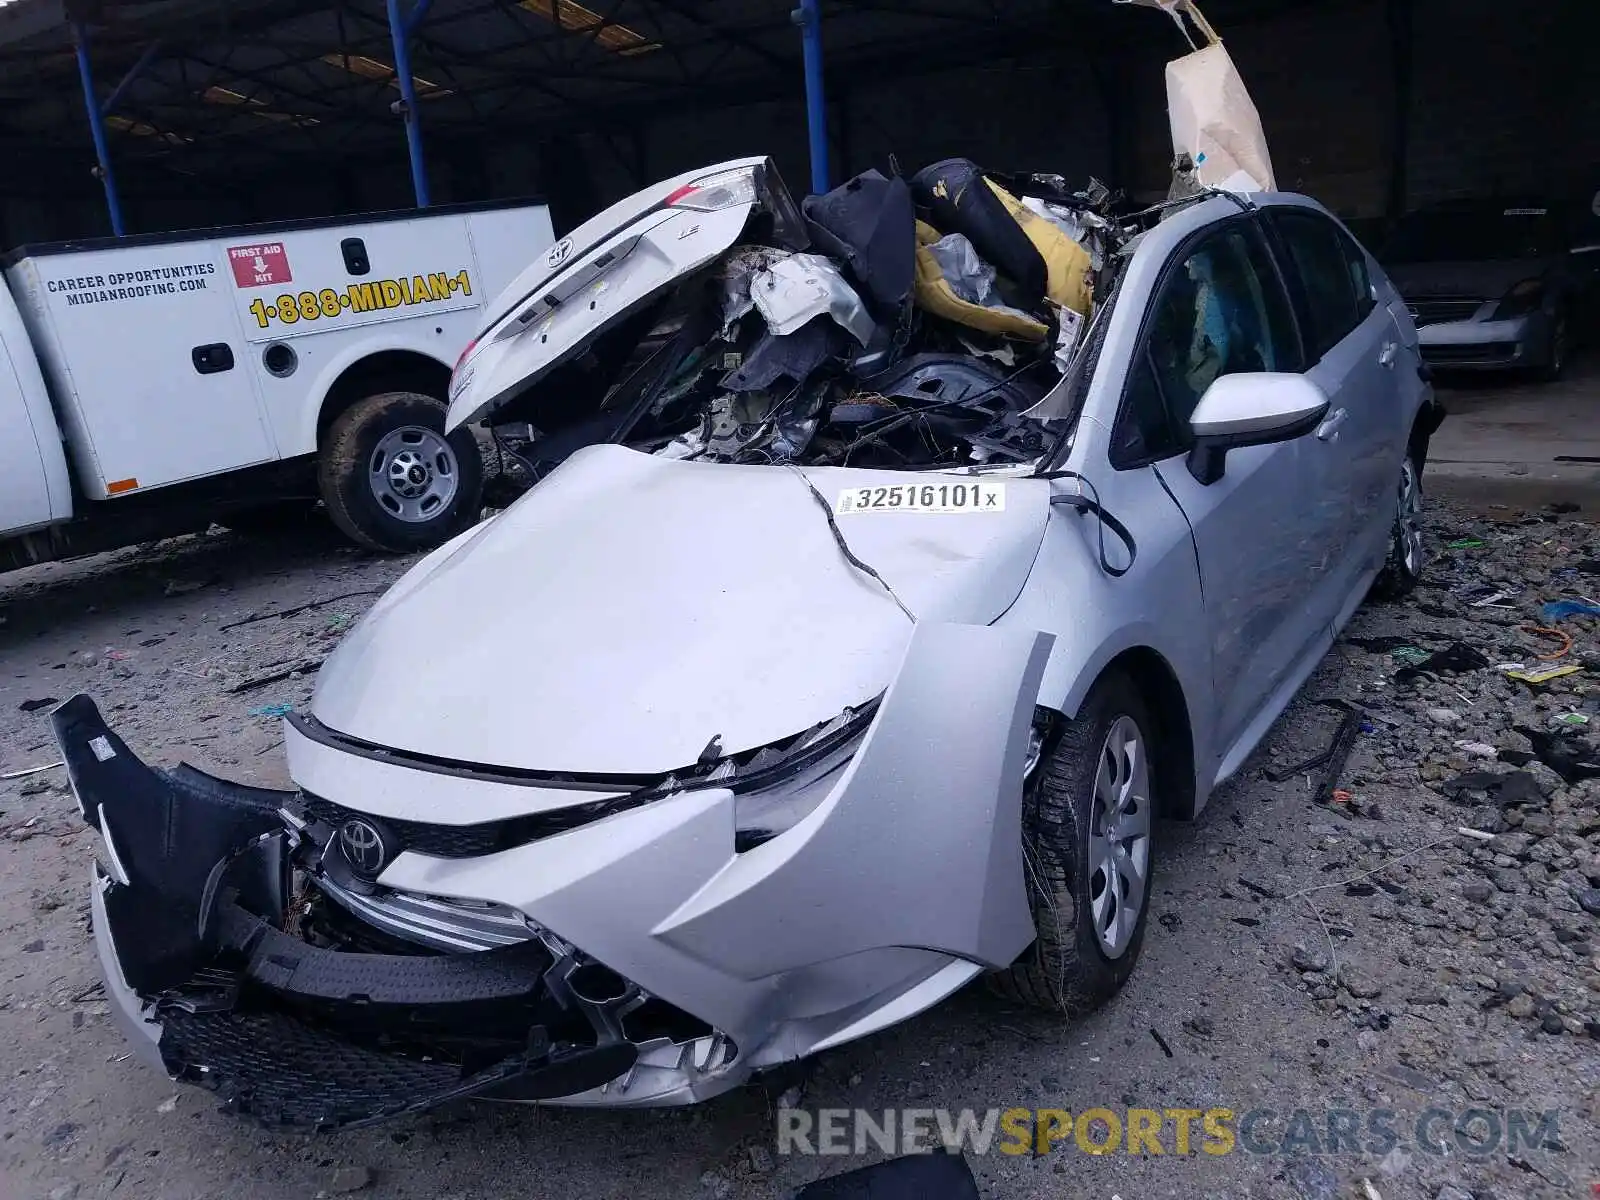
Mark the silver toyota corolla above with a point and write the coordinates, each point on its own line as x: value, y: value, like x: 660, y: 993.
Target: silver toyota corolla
x: 872, y: 604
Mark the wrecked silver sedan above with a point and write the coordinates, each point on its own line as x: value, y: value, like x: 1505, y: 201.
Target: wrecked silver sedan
x: 895, y: 560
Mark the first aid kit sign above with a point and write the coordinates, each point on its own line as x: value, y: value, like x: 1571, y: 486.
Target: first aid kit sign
x: 260, y: 265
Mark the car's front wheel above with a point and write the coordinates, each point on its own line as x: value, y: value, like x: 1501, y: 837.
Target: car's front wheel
x: 1088, y: 828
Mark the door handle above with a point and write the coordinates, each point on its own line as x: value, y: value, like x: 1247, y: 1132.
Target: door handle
x: 209, y: 360
x: 1329, y: 429
x: 1387, y: 355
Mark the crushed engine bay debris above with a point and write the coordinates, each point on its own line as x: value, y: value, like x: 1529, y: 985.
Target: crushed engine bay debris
x: 900, y: 324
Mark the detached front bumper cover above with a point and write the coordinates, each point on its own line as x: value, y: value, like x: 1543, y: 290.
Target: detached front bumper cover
x: 196, y: 926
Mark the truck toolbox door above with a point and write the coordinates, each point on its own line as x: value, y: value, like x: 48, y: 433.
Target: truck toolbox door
x: 143, y: 336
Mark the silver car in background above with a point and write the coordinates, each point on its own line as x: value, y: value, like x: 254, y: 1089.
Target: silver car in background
x: 746, y: 737
x: 1495, y: 285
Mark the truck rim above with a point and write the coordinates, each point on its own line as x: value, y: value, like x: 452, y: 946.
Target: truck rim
x: 413, y: 474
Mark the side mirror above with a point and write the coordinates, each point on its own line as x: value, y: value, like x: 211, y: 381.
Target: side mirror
x: 1250, y: 409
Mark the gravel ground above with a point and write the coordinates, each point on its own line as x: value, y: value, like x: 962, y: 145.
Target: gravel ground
x: 1354, y: 955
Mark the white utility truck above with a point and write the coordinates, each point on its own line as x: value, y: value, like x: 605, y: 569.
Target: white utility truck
x: 150, y: 385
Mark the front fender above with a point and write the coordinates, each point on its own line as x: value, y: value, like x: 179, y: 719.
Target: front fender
x: 919, y: 845
x: 1157, y: 607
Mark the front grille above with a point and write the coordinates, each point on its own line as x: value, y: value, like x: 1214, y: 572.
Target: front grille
x: 1479, y: 352
x: 284, y: 1072
x: 468, y: 841
x: 449, y: 925
x: 1438, y: 309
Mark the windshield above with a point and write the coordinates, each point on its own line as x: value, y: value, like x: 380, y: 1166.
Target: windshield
x: 1474, y: 235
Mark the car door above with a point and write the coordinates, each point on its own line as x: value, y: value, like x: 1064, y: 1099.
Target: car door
x: 1353, y: 353
x: 1221, y: 307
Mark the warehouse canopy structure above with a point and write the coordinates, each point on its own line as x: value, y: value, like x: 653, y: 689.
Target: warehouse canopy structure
x: 178, y: 80
x: 160, y: 113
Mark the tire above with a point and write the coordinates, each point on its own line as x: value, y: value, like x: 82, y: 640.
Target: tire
x: 1555, y: 366
x: 392, y: 480
x: 1070, y: 969
x: 1403, y: 568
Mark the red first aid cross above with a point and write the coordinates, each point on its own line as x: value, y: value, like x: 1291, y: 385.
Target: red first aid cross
x: 259, y: 265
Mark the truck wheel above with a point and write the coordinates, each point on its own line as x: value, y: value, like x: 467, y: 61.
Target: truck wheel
x: 392, y: 480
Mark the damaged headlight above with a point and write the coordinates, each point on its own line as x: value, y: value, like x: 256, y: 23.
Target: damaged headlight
x: 776, y: 786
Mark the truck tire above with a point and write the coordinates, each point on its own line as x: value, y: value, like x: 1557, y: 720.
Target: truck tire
x: 391, y: 478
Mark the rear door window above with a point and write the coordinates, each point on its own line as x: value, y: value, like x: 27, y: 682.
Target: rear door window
x: 1360, y: 277
x: 1335, y: 294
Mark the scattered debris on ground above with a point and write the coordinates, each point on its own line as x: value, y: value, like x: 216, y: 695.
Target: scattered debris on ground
x: 1413, y: 925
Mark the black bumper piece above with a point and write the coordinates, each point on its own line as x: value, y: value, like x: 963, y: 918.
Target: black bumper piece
x: 284, y: 1031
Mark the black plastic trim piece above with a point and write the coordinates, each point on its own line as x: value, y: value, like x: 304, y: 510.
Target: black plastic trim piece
x: 301, y: 971
x: 317, y: 732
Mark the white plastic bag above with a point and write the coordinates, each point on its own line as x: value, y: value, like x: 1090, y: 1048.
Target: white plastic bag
x: 1215, y: 122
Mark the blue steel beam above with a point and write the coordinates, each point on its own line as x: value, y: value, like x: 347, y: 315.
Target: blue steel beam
x: 809, y: 17
x: 97, y: 127
x: 400, y: 30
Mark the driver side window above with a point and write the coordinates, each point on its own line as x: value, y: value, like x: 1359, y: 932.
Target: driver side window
x: 1220, y: 310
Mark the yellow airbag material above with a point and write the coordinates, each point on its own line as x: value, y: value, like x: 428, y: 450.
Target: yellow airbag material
x: 935, y: 295
x: 1067, y: 263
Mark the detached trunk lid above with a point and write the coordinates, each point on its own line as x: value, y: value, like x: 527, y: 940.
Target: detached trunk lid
x: 610, y: 266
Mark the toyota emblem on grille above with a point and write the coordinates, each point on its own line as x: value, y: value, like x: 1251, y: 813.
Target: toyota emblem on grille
x: 363, y: 846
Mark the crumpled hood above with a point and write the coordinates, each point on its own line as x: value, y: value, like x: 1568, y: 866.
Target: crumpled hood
x: 630, y: 608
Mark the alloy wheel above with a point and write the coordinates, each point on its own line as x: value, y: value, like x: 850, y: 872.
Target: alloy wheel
x: 1408, y: 519
x: 1119, y: 836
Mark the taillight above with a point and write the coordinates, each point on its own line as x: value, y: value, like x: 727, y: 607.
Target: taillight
x: 723, y: 190
x: 465, y: 354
